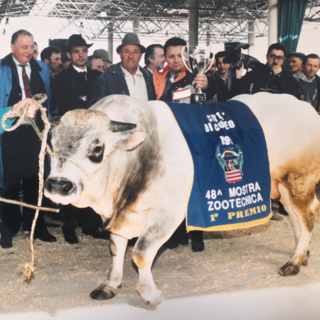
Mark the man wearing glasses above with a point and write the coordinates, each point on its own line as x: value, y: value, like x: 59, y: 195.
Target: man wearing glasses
x: 267, y: 77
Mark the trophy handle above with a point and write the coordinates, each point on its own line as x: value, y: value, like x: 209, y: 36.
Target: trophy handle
x: 183, y: 59
x: 210, y: 63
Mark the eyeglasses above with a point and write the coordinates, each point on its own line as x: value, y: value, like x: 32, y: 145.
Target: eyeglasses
x: 274, y: 57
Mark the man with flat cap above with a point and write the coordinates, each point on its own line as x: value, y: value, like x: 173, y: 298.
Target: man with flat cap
x: 295, y: 60
x: 125, y: 77
x: 70, y: 91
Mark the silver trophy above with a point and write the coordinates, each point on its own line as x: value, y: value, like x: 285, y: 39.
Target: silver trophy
x: 199, y: 61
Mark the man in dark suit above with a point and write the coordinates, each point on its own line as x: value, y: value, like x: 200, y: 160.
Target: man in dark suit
x: 21, y: 77
x: 70, y: 90
x: 71, y: 87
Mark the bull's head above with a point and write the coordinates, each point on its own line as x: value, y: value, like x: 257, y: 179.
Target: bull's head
x: 82, y: 143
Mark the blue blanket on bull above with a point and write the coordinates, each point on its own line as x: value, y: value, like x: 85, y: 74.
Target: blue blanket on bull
x: 231, y: 182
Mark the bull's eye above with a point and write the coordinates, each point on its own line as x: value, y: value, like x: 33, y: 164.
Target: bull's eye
x: 96, y: 155
x: 97, y: 150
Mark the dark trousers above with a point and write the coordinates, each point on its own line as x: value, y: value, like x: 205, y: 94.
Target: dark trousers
x: 85, y: 218
x: 20, y: 154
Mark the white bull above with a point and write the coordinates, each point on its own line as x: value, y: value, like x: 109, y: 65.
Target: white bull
x: 138, y: 178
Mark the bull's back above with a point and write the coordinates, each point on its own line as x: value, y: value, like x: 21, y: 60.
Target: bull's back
x: 174, y: 150
x: 292, y: 130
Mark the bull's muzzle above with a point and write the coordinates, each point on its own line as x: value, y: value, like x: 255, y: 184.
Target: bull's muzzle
x: 59, y: 186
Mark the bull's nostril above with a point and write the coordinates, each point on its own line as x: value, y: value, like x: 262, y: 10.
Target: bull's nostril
x: 59, y: 186
x: 67, y: 186
x: 48, y: 186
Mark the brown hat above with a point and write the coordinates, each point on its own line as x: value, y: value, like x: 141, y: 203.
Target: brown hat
x: 103, y: 54
x: 76, y: 40
x: 131, y: 38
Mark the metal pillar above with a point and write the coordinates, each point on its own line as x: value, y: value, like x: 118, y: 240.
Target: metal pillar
x: 136, y: 26
x: 251, y: 37
x: 110, y: 42
x: 208, y: 38
x: 193, y: 24
x: 273, y: 21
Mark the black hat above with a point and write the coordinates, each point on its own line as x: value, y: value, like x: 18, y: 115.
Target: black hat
x: 65, y: 58
x: 296, y: 54
x: 76, y: 40
x: 131, y: 38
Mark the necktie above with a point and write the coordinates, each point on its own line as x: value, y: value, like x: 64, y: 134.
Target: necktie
x: 83, y: 75
x: 26, y: 81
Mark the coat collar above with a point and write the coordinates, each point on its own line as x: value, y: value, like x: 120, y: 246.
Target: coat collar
x: 73, y: 70
x: 116, y: 68
x: 7, y: 60
x: 165, y: 71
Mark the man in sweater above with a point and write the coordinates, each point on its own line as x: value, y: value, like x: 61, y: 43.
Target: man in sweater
x: 309, y: 81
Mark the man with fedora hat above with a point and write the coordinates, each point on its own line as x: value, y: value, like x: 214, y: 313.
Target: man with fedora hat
x: 71, y: 87
x: 70, y: 90
x: 125, y: 77
x: 104, y: 55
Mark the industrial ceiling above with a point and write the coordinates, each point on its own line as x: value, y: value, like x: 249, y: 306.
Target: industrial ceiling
x: 219, y: 20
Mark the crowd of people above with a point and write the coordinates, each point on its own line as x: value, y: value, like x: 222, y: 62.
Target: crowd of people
x: 79, y: 80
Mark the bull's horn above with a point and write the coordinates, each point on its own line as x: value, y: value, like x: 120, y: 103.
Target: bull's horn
x: 54, y: 121
x: 116, y: 126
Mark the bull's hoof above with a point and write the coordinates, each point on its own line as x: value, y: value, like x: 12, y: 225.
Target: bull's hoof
x: 289, y: 269
x: 102, y: 293
x: 305, y: 262
x: 152, y: 300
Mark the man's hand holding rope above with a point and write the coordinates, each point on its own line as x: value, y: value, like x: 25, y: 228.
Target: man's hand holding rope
x: 32, y: 107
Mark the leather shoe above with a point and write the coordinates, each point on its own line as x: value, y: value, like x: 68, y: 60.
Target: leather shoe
x: 197, y: 241
x: 6, y: 242
x: 94, y: 232
x: 44, y: 235
x: 173, y: 242
x: 197, y: 245
x: 70, y: 236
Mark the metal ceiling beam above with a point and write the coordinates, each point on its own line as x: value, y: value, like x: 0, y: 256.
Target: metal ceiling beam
x: 159, y: 19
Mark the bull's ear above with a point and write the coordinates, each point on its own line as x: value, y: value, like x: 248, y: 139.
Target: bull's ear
x: 129, y: 141
x: 54, y: 121
x: 116, y: 126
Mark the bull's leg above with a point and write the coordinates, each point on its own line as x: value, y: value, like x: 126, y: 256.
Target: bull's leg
x: 303, y: 216
x: 158, y: 230
x: 275, y: 194
x: 108, y: 289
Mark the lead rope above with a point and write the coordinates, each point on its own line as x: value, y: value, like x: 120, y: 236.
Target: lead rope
x: 29, y: 267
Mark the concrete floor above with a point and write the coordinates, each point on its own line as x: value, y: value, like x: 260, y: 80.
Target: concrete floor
x: 277, y: 303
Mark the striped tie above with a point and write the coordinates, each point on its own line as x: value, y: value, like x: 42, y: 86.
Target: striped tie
x: 26, y: 81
